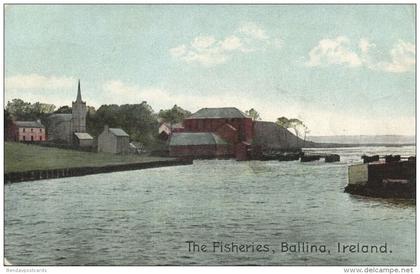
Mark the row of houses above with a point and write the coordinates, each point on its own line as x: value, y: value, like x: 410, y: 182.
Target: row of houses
x: 70, y: 129
x: 111, y: 140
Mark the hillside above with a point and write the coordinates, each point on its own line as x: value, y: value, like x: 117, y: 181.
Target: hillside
x: 269, y: 134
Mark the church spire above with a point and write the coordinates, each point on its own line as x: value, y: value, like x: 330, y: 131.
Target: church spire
x: 79, y: 93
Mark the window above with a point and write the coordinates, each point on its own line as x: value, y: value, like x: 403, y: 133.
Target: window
x: 32, y: 130
x: 23, y: 129
x: 24, y: 138
x: 32, y: 138
x: 40, y: 130
x: 40, y: 138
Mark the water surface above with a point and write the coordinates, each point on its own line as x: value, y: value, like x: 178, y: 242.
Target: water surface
x: 145, y: 217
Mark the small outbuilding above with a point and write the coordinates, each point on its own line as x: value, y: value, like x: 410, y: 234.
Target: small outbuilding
x: 83, y: 139
x: 199, y: 145
x: 164, y: 131
x: 113, y: 140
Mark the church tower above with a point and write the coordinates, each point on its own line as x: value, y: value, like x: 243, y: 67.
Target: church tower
x: 78, y: 113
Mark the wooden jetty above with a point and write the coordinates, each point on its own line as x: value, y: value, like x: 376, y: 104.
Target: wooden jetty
x: 304, y: 157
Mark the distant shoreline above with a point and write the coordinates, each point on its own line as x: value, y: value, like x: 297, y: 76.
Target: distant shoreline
x: 336, y: 145
x: 365, y: 140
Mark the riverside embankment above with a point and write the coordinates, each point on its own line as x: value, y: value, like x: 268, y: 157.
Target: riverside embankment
x: 30, y: 162
x: 33, y: 175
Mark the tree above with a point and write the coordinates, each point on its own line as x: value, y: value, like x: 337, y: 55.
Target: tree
x: 284, y: 123
x: 294, y: 123
x: 105, y: 115
x: 174, y: 115
x: 21, y: 110
x: 63, y: 109
x: 91, y: 110
x: 18, y: 109
x: 253, y: 114
x: 138, y: 120
x: 42, y: 108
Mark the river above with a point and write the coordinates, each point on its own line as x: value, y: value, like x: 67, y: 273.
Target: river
x: 145, y: 217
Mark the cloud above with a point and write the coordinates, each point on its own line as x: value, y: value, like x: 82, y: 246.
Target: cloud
x: 254, y: 31
x: 232, y: 43
x: 178, y: 51
x: 403, y: 58
x: 161, y: 98
x: 208, y: 51
x: 57, y: 90
x: 338, y: 51
x: 203, y: 42
x: 333, y: 52
x: 319, y: 121
x: 36, y: 81
x: 123, y: 93
x: 365, y: 45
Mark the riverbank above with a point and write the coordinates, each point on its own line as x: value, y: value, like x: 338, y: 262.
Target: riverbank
x: 33, y: 175
x: 29, y: 162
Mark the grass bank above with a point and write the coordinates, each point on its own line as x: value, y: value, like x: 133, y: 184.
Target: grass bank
x: 23, y: 157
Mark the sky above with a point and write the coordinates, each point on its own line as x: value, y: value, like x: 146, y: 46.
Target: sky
x: 341, y: 69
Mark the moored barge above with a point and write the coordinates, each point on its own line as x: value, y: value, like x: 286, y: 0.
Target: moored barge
x: 388, y: 178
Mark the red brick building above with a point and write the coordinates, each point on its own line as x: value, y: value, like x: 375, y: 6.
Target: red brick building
x: 29, y: 131
x: 229, y: 124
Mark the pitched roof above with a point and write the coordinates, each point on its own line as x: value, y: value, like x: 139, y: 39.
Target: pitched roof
x: 195, y: 139
x: 32, y: 124
x: 164, y: 128
x: 212, y: 113
x: 118, y: 132
x: 83, y: 136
